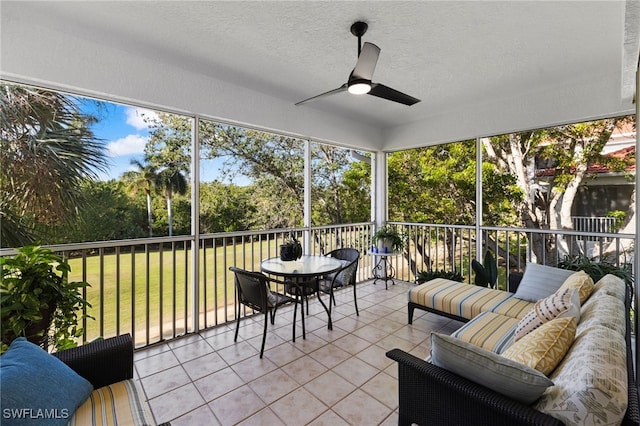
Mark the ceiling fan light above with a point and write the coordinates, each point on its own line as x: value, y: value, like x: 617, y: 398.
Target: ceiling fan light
x: 359, y: 87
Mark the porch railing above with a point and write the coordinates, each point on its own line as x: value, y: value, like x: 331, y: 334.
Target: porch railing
x: 145, y: 286
x: 453, y: 247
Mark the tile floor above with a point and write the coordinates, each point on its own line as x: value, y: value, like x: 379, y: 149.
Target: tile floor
x: 337, y: 377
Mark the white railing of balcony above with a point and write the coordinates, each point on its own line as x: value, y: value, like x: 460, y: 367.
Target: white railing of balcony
x: 453, y: 247
x: 144, y: 286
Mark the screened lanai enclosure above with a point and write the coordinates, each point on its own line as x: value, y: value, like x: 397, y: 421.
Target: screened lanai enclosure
x: 511, y: 96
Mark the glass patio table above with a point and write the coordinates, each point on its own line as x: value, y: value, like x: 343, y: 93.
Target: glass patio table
x: 304, y: 274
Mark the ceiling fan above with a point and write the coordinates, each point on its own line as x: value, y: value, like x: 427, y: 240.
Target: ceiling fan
x: 359, y: 81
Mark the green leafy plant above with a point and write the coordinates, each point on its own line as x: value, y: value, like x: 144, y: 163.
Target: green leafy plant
x: 37, y: 301
x: 597, y: 268
x: 394, y: 239
x: 424, y: 276
x: 487, y: 272
x: 291, y: 249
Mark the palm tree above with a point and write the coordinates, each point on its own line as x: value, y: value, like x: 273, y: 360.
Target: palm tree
x: 170, y: 180
x: 144, y: 178
x: 46, y: 151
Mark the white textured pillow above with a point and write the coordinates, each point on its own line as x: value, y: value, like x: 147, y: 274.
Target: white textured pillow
x: 563, y: 303
x: 507, y: 377
x: 540, y: 281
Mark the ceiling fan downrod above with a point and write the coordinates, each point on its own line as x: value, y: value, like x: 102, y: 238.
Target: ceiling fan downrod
x: 358, y: 29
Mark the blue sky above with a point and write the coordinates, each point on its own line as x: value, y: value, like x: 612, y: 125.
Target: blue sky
x: 124, y: 133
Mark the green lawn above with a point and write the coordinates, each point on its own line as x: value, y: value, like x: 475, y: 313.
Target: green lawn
x: 161, y: 291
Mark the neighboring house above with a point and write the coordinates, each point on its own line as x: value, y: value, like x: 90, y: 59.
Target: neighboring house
x: 603, y: 191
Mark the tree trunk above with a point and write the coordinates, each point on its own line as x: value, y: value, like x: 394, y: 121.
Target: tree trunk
x: 149, y: 215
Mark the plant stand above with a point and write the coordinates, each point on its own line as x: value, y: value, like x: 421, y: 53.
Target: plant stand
x: 383, y: 269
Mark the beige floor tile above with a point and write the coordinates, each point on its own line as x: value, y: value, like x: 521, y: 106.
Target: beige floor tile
x: 384, y: 388
x: 330, y: 355
x: 192, y: 350
x: 329, y: 418
x: 164, y: 381
x: 264, y: 417
x: 201, y: 416
x: 252, y: 368
x: 218, y: 383
x: 370, y: 333
x: 329, y: 388
x: 273, y: 386
x: 333, y: 377
x: 375, y: 355
x: 355, y: 371
x: 359, y: 408
x: 184, y: 340
x: 298, y: 408
x: 392, y: 341
x: 156, y: 363
x: 238, y: 352
x: 150, y: 351
x: 283, y: 354
x: 236, y: 405
x: 352, y: 343
x: 222, y: 340
x: 203, y: 366
x: 175, y: 403
x: 304, y: 369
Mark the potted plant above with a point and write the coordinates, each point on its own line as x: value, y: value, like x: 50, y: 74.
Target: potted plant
x: 486, y: 272
x: 291, y: 249
x: 37, y: 301
x: 424, y: 276
x: 388, y: 240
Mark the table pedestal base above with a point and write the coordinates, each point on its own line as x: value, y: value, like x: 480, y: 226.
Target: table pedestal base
x: 384, y: 270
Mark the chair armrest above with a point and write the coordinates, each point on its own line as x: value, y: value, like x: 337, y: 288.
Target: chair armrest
x: 433, y: 395
x: 102, y: 362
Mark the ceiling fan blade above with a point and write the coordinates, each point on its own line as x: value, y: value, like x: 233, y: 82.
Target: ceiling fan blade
x: 385, y: 92
x: 366, y: 62
x: 330, y: 92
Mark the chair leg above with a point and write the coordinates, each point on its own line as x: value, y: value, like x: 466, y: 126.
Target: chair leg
x: 355, y: 300
x: 235, y: 339
x: 295, y: 312
x: 273, y: 315
x: 304, y: 334
x: 264, y: 333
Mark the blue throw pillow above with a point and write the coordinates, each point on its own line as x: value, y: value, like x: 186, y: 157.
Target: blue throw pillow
x: 37, y: 388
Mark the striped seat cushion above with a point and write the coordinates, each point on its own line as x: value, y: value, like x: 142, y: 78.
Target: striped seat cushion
x: 489, y: 330
x: 120, y: 403
x: 455, y: 298
x: 513, y: 307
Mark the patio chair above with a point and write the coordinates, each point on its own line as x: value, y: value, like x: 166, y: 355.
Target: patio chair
x: 254, y: 292
x: 343, y: 277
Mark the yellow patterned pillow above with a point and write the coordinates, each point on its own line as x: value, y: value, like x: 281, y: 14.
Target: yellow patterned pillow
x: 544, y: 347
x: 582, y: 281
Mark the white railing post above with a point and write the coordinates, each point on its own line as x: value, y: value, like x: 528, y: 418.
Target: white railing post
x: 195, y: 224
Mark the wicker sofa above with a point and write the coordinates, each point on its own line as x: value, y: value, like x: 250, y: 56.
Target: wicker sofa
x: 97, y: 389
x: 108, y: 365
x: 429, y: 394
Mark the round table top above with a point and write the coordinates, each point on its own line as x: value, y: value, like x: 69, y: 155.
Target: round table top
x: 306, y: 266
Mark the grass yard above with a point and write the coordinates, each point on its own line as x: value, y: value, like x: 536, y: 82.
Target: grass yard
x: 154, y: 288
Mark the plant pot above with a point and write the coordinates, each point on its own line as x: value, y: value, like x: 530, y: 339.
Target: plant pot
x: 385, y: 245
x: 43, y: 325
x: 288, y: 252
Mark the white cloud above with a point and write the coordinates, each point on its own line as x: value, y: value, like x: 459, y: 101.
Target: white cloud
x: 130, y: 144
x: 136, y: 117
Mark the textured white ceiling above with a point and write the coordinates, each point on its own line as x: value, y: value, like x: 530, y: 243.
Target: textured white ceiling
x: 479, y: 67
